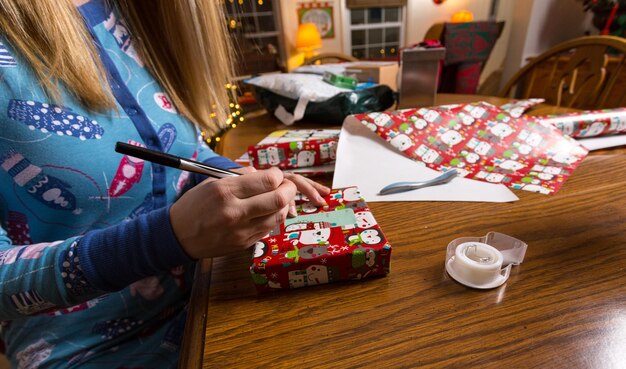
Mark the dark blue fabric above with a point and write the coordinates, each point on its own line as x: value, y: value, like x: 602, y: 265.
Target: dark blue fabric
x: 112, y: 258
x: 95, y: 12
x: 222, y: 162
x: 218, y: 162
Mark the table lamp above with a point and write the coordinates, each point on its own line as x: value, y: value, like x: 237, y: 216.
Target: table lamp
x: 308, y: 39
x: 462, y: 16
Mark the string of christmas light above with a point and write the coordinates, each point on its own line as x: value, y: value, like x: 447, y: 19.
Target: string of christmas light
x: 240, y: 2
x: 235, y: 117
x: 233, y: 23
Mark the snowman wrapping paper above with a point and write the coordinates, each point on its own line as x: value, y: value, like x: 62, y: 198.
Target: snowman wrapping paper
x: 589, y: 123
x: 338, y: 242
x: 295, y: 149
x: 482, y: 142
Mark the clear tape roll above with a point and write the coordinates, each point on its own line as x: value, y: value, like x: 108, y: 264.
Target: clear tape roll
x: 483, y: 262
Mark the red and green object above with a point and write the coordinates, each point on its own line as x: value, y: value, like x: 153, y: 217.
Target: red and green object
x: 338, y: 242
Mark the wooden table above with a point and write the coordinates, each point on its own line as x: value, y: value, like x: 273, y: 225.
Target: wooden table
x: 563, y: 307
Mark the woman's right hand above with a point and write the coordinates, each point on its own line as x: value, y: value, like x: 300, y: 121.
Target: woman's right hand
x: 223, y: 216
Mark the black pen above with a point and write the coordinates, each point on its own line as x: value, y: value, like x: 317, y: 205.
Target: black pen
x: 172, y: 161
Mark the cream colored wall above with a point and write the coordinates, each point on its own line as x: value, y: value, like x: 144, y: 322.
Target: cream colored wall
x: 500, y: 49
x: 555, y: 21
x: 518, y: 23
x: 537, y: 25
x: 421, y: 14
x: 289, y: 17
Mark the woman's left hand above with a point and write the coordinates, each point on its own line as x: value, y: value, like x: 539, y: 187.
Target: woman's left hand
x: 311, y: 189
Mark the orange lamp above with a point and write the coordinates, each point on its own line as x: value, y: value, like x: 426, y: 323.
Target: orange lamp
x: 462, y: 16
x: 308, y: 39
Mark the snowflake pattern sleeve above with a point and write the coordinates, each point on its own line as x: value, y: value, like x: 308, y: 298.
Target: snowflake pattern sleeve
x: 72, y: 272
x: 40, y: 277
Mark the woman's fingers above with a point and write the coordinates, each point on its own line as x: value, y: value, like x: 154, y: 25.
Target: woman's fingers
x: 292, y: 209
x: 261, y: 226
x: 244, y: 170
x: 255, y: 183
x: 269, y: 202
x: 311, y: 189
x: 321, y: 189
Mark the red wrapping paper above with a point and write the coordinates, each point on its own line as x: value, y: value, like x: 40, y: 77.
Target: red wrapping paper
x: 482, y: 142
x: 591, y: 123
x: 339, y: 242
x: 295, y: 149
x: 517, y: 107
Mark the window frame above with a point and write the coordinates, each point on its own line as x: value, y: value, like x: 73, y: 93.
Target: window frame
x: 278, y: 33
x: 349, y: 27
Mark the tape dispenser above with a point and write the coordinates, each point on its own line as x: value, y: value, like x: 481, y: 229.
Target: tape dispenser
x: 484, y: 262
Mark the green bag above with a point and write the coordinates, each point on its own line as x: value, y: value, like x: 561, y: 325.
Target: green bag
x: 334, y: 110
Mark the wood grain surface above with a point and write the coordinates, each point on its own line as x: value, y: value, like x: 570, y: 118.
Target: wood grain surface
x: 193, y: 343
x: 563, y: 307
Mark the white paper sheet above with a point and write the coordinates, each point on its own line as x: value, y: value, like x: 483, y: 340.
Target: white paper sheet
x: 598, y: 143
x: 367, y: 161
x: 326, y: 168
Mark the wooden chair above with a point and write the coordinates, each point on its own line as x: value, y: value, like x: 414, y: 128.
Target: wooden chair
x: 325, y: 58
x: 582, y: 73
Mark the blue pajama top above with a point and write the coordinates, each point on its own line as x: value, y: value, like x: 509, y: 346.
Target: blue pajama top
x: 91, y: 274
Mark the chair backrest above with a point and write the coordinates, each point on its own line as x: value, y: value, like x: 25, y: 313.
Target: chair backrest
x: 584, y: 73
x: 325, y: 58
x: 468, y: 46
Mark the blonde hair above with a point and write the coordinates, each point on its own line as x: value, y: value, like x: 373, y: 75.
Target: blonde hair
x: 184, y: 44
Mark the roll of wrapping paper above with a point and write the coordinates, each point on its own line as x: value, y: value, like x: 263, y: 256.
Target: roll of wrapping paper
x: 591, y: 123
x: 517, y: 107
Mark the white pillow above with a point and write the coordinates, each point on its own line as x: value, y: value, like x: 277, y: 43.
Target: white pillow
x: 335, y: 68
x: 297, y: 85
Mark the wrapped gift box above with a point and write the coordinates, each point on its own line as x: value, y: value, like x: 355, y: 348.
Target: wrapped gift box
x: 338, y: 242
x: 295, y: 149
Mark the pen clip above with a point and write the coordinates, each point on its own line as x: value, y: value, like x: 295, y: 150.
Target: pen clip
x: 173, y: 161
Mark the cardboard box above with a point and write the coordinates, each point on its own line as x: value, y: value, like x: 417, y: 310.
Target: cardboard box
x: 322, y: 245
x: 384, y: 73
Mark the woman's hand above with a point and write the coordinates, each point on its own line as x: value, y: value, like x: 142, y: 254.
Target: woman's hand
x: 221, y: 217
x: 311, y: 189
